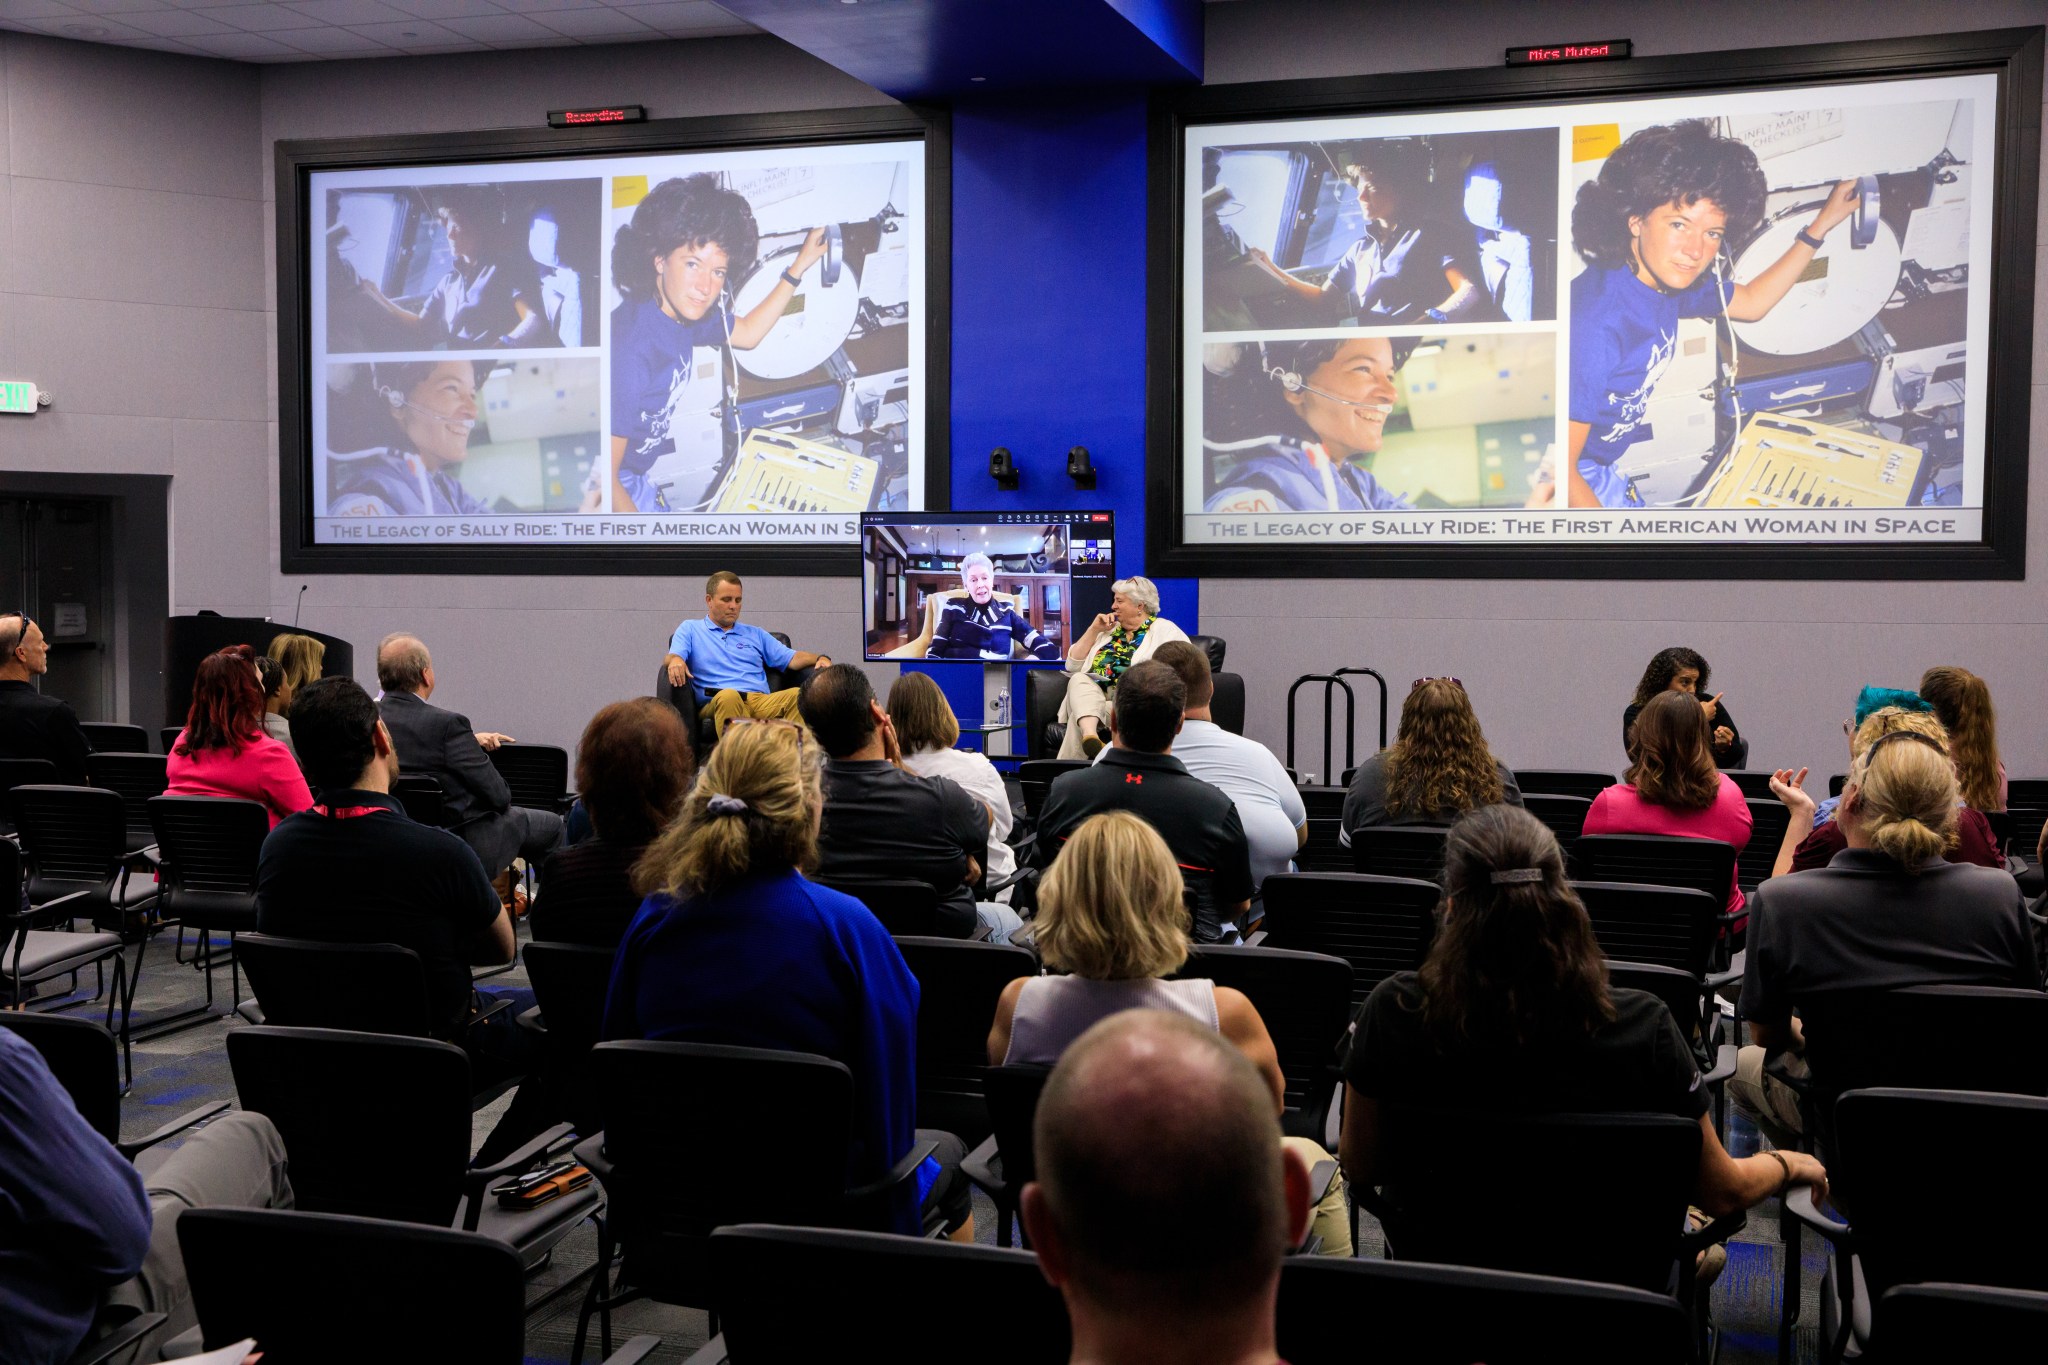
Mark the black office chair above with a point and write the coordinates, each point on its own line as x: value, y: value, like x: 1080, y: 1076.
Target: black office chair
x: 696, y: 718
x: 1325, y: 850
x: 1045, y: 689
x: 570, y: 982
x: 1454, y: 1315
x: 1415, y: 851
x: 137, y: 777
x: 1657, y: 859
x: 1380, y: 925
x: 1036, y: 777
x: 327, y: 1289
x: 1005, y: 1162
x: 537, y: 774
x: 1305, y: 1001
x: 76, y: 840
x: 1921, y: 1322
x: 1769, y: 819
x: 379, y: 1127
x: 31, y: 954
x: 1563, y: 816
x: 86, y: 1060
x: 1562, y: 782
x: 1753, y: 783
x: 958, y: 985
x: 423, y: 799
x: 851, y: 1287
x: 208, y: 848
x: 169, y: 735
x: 1900, y: 1232
x: 903, y: 905
x: 21, y: 772
x: 1680, y: 991
x: 697, y: 1137
x: 105, y: 737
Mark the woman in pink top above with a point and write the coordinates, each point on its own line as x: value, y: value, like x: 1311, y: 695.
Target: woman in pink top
x: 223, y: 750
x: 1672, y: 785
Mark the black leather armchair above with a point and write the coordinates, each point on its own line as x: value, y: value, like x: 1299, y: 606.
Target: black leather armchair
x: 1046, y: 688
x: 695, y: 718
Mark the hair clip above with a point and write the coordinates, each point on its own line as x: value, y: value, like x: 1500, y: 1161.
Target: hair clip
x: 1515, y: 875
x: 722, y: 804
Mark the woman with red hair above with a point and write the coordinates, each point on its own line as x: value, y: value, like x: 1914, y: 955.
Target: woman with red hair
x: 223, y: 751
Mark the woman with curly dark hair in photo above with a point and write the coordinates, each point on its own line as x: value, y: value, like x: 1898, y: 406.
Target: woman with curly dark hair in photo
x: 1436, y: 770
x: 1679, y: 669
x: 1651, y: 227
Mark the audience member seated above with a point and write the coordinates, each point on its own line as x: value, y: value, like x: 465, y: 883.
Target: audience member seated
x: 1673, y: 786
x: 1962, y: 702
x: 1130, y: 632
x: 88, y: 1242
x: 1164, y: 1201
x: 1888, y: 911
x: 883, y: 821
x: 734, y: 946
x: 1679, y: 669
x: 1869, y: 701
x: 1437, y: 769
x: 442, y: 745
x: 1140, y: 774
x: 1268, y: 803
x: 1973, y: 841
x: 302, y: 658
x: 223, y: 751
x: 1512, y: 1013
x: 926, y: 731
x: 354, y: 869
x: 727, y: 663
x: 633, y: 769
x: 1112, y: 917
x: 31, y: 724
x: 270, y: 677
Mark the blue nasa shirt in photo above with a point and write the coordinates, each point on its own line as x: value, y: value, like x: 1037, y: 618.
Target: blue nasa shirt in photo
x: 1288, y: 477
x: 1624, y: 334
x: 1403, y: 278
x: 651, y: 356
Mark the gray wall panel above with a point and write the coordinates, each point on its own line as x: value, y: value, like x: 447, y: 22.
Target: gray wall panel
x: 61, y: 441
x: 220, y: 503
x: 82, y: 241
x: 140, y: 358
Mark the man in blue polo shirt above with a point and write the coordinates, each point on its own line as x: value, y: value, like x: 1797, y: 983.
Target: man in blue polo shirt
x: 727, y: 663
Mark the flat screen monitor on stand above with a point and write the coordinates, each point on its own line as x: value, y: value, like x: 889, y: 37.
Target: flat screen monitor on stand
x: 986, y: 588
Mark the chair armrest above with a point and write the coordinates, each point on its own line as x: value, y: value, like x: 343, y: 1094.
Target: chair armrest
x: 640, y: 1347
x: 45, y: 907
x: 1257, y: 937
x: 712, y: 1352
x: 1724, y: 1065
x: 496, y: 1007
x: 982, y: 933
x: 904, y: 1169
x: 477, y: 1178
x: 1775, y: 1067
x: 530, y: 1020
x: 171, y: 1129
x: 590, y: 1154
x: 1799, y: 1203
x: 980, y: 1167
x: 118, y: 1342
x: 1696, y: 1240
x: 1016, y: 874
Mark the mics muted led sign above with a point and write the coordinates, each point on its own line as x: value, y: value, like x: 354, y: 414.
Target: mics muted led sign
x: 1557, y: 54
x: 593, y: 117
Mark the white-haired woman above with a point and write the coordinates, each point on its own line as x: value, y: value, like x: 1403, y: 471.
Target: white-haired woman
x: 977, y: 624
x: 1128, y: 633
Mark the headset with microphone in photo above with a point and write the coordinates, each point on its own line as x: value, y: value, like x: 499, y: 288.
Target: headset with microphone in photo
x: 398, y: 402
x: 1292, y: 382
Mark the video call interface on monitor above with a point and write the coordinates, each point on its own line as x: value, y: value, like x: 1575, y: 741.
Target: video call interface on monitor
x: 982, y: 587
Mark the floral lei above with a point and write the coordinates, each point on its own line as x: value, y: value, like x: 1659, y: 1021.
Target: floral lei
x: 1122, y: 644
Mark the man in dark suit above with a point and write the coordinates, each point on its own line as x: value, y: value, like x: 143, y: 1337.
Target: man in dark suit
x: 31, y: 724
x: 442, y: 745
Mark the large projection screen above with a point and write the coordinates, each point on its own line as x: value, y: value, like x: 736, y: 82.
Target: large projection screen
x: 656, y: 348
x: 1748, y: 315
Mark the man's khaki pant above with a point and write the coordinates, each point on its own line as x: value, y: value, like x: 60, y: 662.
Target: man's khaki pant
x: 729, y: 705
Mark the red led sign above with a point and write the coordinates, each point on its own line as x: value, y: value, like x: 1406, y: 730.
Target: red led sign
x: 1556, y: 53
x: 587, y: 118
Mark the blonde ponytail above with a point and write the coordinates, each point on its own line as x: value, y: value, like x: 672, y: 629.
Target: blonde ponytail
x: 1906, y: 797
x: 753, y: 809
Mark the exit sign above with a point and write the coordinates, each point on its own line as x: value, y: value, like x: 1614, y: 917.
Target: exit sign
x: 17, y: 395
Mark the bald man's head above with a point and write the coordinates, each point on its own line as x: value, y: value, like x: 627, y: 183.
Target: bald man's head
x: 402, y: 663
x: 1159, y: 1168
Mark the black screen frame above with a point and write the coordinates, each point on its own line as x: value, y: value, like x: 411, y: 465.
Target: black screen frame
x: 2014, y: 55
x: 297, y: 161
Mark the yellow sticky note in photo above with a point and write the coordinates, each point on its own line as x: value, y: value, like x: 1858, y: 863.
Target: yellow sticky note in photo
x: 1595, y: 141
x: 628, y: 190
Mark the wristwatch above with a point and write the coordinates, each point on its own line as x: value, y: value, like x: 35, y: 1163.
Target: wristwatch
x: 1803, y: 236
x: 791, y: 280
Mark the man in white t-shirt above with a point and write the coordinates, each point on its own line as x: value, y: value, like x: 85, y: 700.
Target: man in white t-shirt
x: 1268, y: 803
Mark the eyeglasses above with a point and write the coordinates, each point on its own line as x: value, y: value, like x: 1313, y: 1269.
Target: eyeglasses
x: 21, y: 639
x: 1458, y: 683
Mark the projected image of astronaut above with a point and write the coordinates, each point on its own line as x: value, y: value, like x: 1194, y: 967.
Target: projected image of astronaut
x: 979, y: 624
x: 1773, y: 309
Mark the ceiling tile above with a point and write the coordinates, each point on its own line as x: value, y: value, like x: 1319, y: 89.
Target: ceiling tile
x: 409, y: 35
x: 686, y: 16
x: 242, y: 46
x: 503, y: 29
x: 118, y: 6
x: 347, y: 12
x: 92, y: 28
x: 259, y: 18
x: 35, y: 9
x: 595, y: 23
x: 330, y: 42
x: 447, y: 9
x: 177, y: 23
x: 540, y: 6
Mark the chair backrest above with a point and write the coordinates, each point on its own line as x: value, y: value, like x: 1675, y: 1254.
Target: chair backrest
x: 1660, y: 859
x: 169, y: 735
x: 105, y: 737
x: 82, y: 1055
x: 1415, y: 851
x: 21, y: 772
x: 903, y: 905
x: 2027, y: 801
x: 1926, y: 1321
x: 1911, y: 1230
x: 699, y: 1136
x: 423, y: 798
x: 210, y: 843
x: 1769, y: 819
x: 1044, y: 690
x: 137, y: 776
x: 1447, y: 1181
x: 537, y: 774
x: 1324, y: 851
x: 1680, y: 991
x: 1664, y: 926
x: 569, y: 983
x: 1753, y: 783
x: 852, y: 1285
x: 1380, y: 925
x: 72, y: 835
x: 1305, y: 1001
x: 1036, y: 776
x: 1916, y: 1036
x: 1214, y: 646
x: 1564, y: 816
x: 312, y: 983
x: 1454, y: 1315
x: 1013, y: 1093
x: 1562, y: 782
x: 376, y: 1126
x: 299, y: 1284
x: 1226, y: 705
x: 958, y: 982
